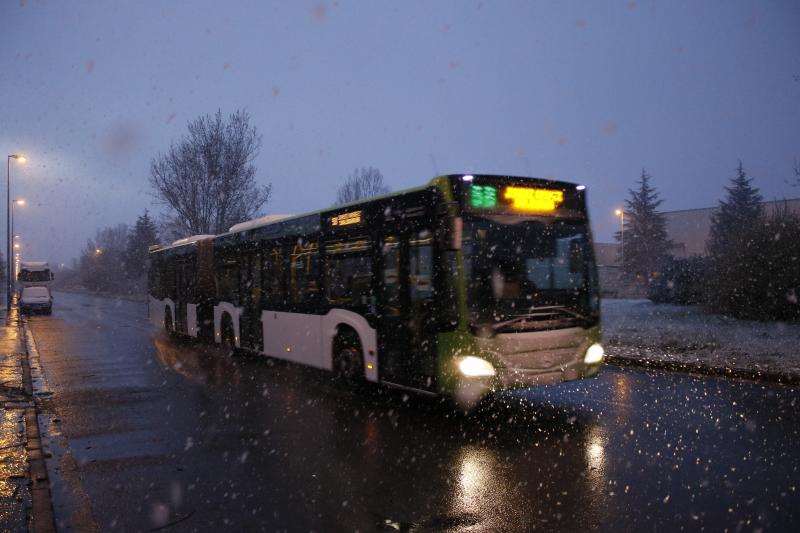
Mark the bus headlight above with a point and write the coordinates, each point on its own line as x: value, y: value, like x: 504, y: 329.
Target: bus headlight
x: 594, y: 354
x: 472, y: 367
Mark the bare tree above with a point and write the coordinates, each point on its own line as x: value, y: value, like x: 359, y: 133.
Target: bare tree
x: 207, y: 180
x: 364, y: 183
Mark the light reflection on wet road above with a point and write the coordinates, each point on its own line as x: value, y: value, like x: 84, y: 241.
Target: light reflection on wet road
x: 147, y: 432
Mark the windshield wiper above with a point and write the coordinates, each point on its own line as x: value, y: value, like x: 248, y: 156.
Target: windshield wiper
x: 544, y: 317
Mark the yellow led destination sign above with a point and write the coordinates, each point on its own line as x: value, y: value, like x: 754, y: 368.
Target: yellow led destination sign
x: 346, y: 219
x: 531, y: 200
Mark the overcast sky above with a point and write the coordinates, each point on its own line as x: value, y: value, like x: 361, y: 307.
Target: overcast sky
x: 590, y: 92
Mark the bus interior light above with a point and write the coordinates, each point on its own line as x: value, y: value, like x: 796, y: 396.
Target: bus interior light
x: 472, y: 366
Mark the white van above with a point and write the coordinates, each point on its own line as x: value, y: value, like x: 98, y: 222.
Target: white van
x: 36, y: 299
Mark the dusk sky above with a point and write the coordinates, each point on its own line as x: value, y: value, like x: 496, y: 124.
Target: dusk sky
x: 589, y: 92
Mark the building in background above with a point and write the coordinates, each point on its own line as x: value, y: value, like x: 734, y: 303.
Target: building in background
x: 689, y: 229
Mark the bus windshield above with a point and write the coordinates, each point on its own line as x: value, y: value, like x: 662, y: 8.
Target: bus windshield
x: 528, y: 274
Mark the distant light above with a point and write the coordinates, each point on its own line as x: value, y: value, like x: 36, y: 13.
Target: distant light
x: 581, y: 187
x: 19, y: 202
x: 370, y: 366
x: 618, y: 212
x: 288, y: 348
x: 468, y: 177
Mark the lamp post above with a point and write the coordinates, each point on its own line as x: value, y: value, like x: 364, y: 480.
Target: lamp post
x: 18, y: 201
x: 20, y: 159
x: 621, y: 214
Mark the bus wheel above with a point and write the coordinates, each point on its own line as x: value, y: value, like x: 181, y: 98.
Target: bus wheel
x: 168, y: 322
x: 348, y: 363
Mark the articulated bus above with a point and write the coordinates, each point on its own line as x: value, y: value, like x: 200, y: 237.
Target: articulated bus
x: 467, y: 285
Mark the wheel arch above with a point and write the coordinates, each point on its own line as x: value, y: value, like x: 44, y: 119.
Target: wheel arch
x: 234, y: 313
x: 367, y: 336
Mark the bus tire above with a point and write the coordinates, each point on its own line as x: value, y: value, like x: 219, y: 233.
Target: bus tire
x: 168, y: 324
x: 348, y: 363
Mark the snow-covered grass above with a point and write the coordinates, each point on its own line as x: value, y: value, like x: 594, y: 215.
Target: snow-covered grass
x: 642, y: 330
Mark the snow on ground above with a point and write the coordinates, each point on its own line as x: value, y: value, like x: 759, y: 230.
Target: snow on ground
x: 642, y: 330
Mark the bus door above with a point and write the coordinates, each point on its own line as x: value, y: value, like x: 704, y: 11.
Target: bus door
x: 406, y: 320
x: 181, y: 295
x: 250, y: 299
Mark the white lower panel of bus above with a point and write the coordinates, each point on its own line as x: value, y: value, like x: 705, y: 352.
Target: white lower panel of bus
x: 297, y: 337
x: 234, y: 313
x: 157, y: 308
x: 308, y: 339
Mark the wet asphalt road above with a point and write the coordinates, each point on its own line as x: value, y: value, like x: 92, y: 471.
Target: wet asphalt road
x: 148, y: 433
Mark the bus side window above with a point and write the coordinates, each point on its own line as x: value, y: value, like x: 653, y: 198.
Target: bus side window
x: 349, y: 273
x: 304, y: 274
x: 421, y: 266
x: 272, y: 276
x: 390, y: 281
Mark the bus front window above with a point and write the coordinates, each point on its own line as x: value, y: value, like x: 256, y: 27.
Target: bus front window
x: 525, y: 273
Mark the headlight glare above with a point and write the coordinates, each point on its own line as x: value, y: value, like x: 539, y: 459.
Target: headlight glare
x: 594, y: 354
x: 472, y: 366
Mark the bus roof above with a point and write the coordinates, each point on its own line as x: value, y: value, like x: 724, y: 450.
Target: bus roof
x: 267, y: 220
x: 281, y: 219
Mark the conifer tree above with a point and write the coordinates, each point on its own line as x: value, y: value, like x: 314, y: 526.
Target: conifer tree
x: 144, y: 235
x: 646, y: 246
x: 737, y: 212
x: 732, y: 245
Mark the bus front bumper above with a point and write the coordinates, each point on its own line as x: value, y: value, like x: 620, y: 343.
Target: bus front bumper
x: 471, y: 391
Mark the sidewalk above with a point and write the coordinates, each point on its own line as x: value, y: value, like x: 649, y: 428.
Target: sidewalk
x: 24, y: 489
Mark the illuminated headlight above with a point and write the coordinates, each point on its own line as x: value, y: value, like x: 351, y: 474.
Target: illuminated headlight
x: 475, y: 366
x: 594, y: 354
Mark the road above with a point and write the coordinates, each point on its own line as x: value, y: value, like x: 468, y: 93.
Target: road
x: 145, y: 432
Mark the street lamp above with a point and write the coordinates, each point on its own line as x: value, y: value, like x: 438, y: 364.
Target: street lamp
x: 20, y: 159
x: 621, y: 214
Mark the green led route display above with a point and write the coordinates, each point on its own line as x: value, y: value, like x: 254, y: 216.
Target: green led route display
x: 483, y: 196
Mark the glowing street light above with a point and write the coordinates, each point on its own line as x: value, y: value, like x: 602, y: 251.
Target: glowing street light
x: 621, y: 214
x: 20, y: 159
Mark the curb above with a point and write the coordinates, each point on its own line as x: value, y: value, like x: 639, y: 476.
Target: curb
x: 783, y: 378
x: 43, y: 518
